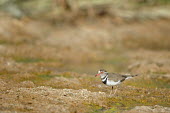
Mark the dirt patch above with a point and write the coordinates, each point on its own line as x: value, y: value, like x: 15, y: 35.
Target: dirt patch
x: 47, y: 99
x: 149, y: 109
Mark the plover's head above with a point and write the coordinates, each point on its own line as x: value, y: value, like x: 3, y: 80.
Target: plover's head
x: 101, y: 72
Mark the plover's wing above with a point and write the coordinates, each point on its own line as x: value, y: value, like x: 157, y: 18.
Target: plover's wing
x: 119, y: 77
x: 116, y: 77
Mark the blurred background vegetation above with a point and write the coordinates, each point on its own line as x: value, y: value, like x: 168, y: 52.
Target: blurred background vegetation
x: 86, y: 33
x: 34, y: 8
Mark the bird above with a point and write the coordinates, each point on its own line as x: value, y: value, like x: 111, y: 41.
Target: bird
x: 113, y: 79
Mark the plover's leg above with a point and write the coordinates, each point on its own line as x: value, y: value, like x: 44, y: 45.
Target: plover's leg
x: 115, y: 91
x: 111, y: 90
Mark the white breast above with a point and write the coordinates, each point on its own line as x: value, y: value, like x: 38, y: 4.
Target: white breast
x: 112, y: 83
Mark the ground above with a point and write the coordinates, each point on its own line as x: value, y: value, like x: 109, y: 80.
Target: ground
x: 50, y: 68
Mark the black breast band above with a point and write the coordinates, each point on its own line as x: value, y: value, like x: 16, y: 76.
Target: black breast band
x: 105, y: 81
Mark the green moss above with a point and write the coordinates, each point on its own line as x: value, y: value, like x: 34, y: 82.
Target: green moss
x: 45, y: 77
x: 160, y: 73
x: 4, y: 42
x: 42, y: 78
x: 93, y: 108
x: 48, y: 76
x: 31, y: 60
x: 143, y: 96
x: 66, y: 74
x: 150, y: 83
x: 13, y: 42
x: 111, y: 110
x: 154, y: 2
x: 28, y: 60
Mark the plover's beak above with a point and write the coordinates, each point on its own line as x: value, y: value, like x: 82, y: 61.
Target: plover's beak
x: 97, y: 75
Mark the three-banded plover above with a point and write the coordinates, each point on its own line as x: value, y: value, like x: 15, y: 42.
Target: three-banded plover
x: 112, y: 79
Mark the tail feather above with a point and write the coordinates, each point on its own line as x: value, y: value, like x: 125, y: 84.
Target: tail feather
x: 134, y: 75
x: 129, y: 76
